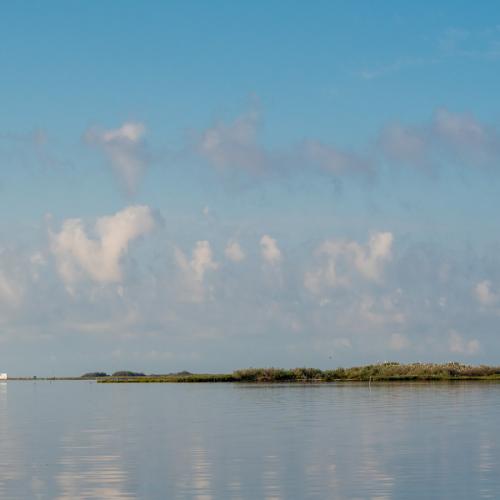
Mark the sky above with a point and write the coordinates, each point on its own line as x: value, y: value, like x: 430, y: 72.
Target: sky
x: 210, y: 186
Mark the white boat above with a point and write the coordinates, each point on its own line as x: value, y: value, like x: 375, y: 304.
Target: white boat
x: 3, y: 376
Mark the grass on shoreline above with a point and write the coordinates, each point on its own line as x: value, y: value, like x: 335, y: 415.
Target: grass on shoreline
x: 389, y: 371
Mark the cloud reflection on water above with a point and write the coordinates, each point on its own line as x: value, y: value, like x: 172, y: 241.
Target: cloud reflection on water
x: 209, y: 442
x: 89, y: 471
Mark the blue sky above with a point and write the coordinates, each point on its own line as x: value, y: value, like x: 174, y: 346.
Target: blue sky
x: 199, y: 186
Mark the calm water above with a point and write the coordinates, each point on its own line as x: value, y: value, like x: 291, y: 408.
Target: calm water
x: 71, y: 440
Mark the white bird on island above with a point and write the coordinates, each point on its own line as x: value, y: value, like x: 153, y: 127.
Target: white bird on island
x: 3, y: 376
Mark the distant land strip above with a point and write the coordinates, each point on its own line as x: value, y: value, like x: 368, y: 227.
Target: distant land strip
x: 382, y: 372
x: 387, y: 371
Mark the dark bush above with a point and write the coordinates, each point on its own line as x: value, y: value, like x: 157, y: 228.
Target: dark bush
x: 127, y: 374
x: 94, y: 375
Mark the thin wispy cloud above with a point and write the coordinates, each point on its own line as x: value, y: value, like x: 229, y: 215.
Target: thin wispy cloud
x: 125, y: 149
x: 449, y: 138
x: 482, y: 43
x: 403, y: 64
x: 451, y: 44
x: 237, y: 146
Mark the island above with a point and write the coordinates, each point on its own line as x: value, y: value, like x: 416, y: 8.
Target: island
x: 379, y: 372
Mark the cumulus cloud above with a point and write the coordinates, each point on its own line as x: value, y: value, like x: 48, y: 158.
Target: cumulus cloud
x: 269, y: 250
x: 125, y: 149
x: 484, y: 293
x: 377, y: 310
x: 457, y: 344
x: 234, y: 252
x: 340, y: 258
x: 193, y: 271
x: 78, y: 255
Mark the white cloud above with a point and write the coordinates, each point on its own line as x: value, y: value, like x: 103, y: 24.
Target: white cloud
x: 129, y: 131
x: 457, y: 344
x: 78, y: 255
x: 484, y: 294
x: 202, y: 259
x: 193, y: 271
x: 234, y: 252
x: 370, y: 261
x: 125, y: 149
x: 341, y: 257
x: 269, y: 250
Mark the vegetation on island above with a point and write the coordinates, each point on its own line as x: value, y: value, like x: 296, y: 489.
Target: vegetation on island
x: 94, y: 375
x: 127, y: 374
x: 387, y: 371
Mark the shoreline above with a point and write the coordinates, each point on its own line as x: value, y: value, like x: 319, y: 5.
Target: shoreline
x: 380, y: 372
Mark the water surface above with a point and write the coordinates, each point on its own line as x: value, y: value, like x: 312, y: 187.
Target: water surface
x: 82, y: 440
